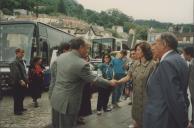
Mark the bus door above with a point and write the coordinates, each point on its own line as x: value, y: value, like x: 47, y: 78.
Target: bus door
x: 44, y: 49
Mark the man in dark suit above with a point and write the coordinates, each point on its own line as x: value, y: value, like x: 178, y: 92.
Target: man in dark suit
x: 167, y: 105
x: 188, y: 54
x: 72, y: 74
x: 18, y: 72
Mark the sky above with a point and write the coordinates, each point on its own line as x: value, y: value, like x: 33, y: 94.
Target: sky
x: 174, y: 11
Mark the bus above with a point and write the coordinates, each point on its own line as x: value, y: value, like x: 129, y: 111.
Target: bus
x: 101, y: 46
x: 36, y: 38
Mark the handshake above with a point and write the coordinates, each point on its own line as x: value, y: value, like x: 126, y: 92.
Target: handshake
x: 114, y: 82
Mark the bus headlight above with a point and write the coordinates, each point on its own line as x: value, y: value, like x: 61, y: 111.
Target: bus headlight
x: 4, y: 69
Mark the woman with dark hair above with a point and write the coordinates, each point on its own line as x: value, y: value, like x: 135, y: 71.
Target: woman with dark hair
x: 36, y: 79
x: 64, y: 47
x: 104, y: 93
x: 139, y: 73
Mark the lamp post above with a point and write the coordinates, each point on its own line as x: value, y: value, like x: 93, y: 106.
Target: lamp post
x: 132, y: 32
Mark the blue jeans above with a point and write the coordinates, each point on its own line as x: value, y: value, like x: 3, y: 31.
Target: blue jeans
x: 117, y: 91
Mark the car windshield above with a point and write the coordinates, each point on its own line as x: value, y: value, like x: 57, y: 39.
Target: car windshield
x: 14, y: 36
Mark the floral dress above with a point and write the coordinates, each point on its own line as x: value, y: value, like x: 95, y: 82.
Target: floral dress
x: 140, y: 73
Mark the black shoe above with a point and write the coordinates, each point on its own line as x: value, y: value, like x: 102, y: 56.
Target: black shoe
x: 36, y: 104
x: 80, y: 122
x: 1, y: 97
x: 18, y: 113
x: 108, y: 110
x: 116, y: 105
x: 130, y: 103
x: 125, y: 98
x: 99, y: 113
x: 24, y: 109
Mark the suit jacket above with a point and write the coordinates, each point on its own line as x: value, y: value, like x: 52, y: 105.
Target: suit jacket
x: 191, y: 79
x: 53, y: 70
x: 18, y: 71
x: 72, y: 73
x: 167, y: 105
x: 191, y: 86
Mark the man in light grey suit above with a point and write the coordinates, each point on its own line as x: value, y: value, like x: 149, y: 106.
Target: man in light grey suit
x: 167, y: 105
x: 188, y: 54
x: 72, y: 73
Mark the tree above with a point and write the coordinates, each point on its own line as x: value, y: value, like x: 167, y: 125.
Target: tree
x: 61, y: 7
x: 7, y: 6
x: 79, y: 11
x: 6, y: 11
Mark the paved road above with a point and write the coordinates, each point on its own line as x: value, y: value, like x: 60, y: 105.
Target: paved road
x: 118, y: 118
x: 41, y: 117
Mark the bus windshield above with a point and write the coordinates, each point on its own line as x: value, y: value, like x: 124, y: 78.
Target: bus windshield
x: 14, y: 36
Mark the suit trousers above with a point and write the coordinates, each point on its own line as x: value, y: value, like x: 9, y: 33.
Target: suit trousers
x: 192, y: 105
x: 1, y: 94
x: 18, y: 96
x: 60, y: 120
x: 55, y: 118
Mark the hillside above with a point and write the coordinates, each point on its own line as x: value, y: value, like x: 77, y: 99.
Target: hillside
x: 72, y: 8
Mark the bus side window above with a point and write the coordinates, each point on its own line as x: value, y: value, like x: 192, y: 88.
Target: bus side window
x: 45, y: 53
x: 34, y: 48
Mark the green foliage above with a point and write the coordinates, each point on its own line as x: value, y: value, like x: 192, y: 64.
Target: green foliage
x: 61, y: 7
x: 114, y: 33
x: 187, y: 27
x: 7, y: 6
x: 6, y: 11
x: 153, y: 23
x: 141, y: 34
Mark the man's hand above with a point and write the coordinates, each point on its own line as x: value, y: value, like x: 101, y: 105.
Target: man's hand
x: 113, y: 82
x: 22, y: 83
x: 27, y: 86
x: 190, y: 125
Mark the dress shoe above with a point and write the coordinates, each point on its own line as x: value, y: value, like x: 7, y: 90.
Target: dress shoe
x: 36, y: 104
x: 99, y: 112
x: 80, y: 122
x: 24, y: 109
x: 130, y: 103
x: 116, y: 105
x: 132, y: 126
x: 81, y: 118
x: 108, y: 110
x: 18, y: 113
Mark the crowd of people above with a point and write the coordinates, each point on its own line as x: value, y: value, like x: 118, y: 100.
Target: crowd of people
x: 155, y: 76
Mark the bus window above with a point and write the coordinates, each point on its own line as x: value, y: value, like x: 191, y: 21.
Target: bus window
x: 54, y: 37
x: 45, y: 53
x: 102, y: 46
x: 34, y: 48
x: 14, y: 36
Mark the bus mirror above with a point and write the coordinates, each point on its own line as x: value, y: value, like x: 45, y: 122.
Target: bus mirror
x: 41, y: 39
x: 33, y: 40
x: 34, y: 44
